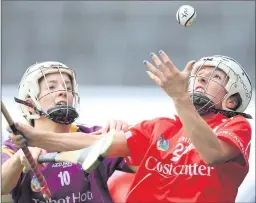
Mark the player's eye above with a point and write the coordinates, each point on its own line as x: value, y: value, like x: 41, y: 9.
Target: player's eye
x: 217, y: 76
x: 199, y: 73
x: 51, y: 87
x: 69, y: 87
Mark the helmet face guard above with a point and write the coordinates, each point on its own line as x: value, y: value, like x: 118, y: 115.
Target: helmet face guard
x: 236, y: 81
x: 64, y: 112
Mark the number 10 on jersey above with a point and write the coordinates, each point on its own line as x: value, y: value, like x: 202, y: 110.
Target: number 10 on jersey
x: 64, y: 178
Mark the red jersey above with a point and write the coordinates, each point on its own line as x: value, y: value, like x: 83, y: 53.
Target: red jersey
x: 171, y: 170
x: 119, y: 184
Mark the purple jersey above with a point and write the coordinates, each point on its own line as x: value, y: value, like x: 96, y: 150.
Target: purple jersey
x: 67, y: 182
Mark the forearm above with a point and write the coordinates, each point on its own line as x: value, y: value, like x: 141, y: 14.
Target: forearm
x: 56, y: 142
x: 11, y: 171
x: 119, y: 146
x: 200, y: 133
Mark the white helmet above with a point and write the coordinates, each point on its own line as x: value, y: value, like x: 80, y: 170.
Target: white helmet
x: 29, y: 87
x: 239, y: 82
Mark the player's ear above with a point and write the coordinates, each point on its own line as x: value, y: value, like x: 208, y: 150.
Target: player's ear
x: 29, y: 100
x: 233, y: 102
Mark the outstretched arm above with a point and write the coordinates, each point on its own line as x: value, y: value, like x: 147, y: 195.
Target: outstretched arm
x: 51, y: 141
x: 211, y: 149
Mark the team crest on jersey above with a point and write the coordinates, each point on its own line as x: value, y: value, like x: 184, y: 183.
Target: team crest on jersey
x: 35, y: 186
x: 162, y: 144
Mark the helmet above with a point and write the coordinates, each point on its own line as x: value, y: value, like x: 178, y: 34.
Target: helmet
x: 29, y: 88
x: 238, y: 80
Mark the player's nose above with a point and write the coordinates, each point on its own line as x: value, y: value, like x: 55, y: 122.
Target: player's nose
x: 61, y: 92
x: 201, y: 79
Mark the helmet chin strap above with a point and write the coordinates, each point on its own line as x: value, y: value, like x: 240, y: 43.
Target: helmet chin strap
x: 205, y: 106
x: 201, y: 102
x: 62, y: 114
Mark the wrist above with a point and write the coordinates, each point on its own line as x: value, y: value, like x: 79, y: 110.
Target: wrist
x: 184, y: 105
x: 182, y: 99
x: 17, y: 157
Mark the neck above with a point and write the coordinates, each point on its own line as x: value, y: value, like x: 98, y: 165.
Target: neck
x: 48, y: 125
x: 208, y: 116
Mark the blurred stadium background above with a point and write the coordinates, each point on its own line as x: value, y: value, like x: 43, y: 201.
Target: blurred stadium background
x: 106, y: 42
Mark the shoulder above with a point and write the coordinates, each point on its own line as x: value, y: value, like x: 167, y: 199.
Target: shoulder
x: 161, y: 120
x: 236, y: 122
x: 9, y: 145
x: 157, y: 125
x: 174, y: 120
x: 239, y: 119
x: 167, y: 123
x: 238, y: 129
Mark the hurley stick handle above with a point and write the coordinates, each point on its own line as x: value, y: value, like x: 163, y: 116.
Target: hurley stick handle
x: 43, y: 185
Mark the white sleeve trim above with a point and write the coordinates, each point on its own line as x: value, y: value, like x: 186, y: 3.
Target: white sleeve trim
x: 128, y: 134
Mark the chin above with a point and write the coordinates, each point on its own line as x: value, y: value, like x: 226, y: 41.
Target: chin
x: 199, y: 92
x: 217, y: 105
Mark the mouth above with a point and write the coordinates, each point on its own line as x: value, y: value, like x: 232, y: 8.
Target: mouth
x: 199, y: 89
x: 61, y: 103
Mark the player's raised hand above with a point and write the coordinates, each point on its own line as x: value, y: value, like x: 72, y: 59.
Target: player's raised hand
x: 167, y: 76
x: 28, y: 133
x: 18, y: 140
